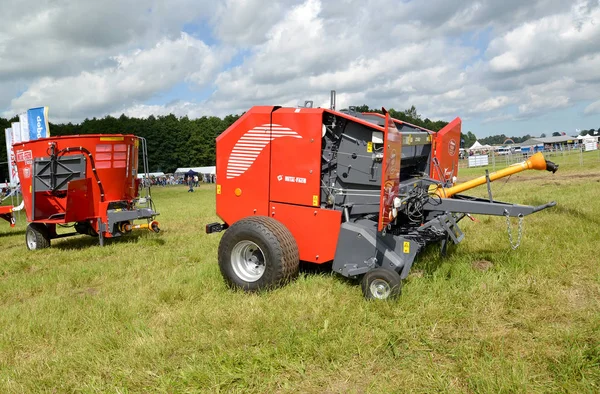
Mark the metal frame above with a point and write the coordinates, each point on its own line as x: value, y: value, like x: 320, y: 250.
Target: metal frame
x: 49, y: 179
x: 147, y: 198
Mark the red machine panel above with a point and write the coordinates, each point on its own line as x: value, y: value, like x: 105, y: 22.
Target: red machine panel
x: 296, y: 156
x: 390, y: 176
x: 243, y: 158
x: 81, y: 198
x: 316, y: 230
x: 446, y: 146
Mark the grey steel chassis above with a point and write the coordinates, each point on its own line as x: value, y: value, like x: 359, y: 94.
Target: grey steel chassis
x: 362, y: 248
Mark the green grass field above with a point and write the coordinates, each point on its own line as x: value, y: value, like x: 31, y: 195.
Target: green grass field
x: 150, y: 313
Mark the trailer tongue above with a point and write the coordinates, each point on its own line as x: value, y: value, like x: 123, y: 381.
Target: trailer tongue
x: 364, y: 192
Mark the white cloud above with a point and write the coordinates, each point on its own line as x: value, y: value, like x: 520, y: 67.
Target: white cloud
x: 546, y: 97
x: 593, y: 108
x: 137, y: 76
x: 499, y: 118
x: 318, y: 46
x: 63, y: 37
x: 539, y: 104
x: 486, y: 60
x: 493, y: 104
x: 548, y: 41
x: 304, y: 56
x: 246, y: 22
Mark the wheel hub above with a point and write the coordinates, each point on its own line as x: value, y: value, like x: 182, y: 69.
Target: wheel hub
x: 248, y: 261
x: 380, y: 289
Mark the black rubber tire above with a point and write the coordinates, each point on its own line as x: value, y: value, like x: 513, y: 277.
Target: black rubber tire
x: 39, y: 232
x: 391, y: 278
x: 277, y: 244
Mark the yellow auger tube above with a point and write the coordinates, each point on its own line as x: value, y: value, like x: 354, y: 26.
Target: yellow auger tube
x: 152, y: 226
x: 535, y: 162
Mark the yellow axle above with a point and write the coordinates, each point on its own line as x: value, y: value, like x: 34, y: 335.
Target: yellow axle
x: 535, y: 162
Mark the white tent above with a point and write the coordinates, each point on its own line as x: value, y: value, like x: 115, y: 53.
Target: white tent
x: 587, y: 138
x: 151, y: 174
x: 201, y: 170
x: 476, y: 145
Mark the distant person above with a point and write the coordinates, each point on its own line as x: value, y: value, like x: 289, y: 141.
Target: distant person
x: 190, y: 183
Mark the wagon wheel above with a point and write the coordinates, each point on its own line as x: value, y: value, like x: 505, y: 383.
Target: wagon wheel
x: 381, y: 284
x: 258, y: 253
x: 37, y: 236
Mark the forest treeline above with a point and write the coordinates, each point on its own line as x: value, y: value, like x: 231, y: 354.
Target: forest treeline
x: 182, y: 142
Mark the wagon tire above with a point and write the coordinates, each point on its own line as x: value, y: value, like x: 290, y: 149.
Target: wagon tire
x: 381, y: 284
x: 258, y: 253
x: 37, y: 236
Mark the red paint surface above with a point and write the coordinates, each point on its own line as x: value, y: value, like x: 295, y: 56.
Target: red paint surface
x: 446, y: 146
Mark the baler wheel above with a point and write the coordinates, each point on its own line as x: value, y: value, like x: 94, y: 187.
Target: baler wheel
x: 37, y: 236
x: 258, y: 253
x: 381, y: 284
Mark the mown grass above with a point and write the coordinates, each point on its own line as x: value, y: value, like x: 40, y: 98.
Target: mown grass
x: 150, y: 313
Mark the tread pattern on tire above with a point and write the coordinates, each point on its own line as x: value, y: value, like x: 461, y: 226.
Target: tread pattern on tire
x: 286, y: 240
x: 42, y: 238
x: 278, y: 236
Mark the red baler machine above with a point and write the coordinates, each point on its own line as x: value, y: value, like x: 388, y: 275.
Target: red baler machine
x: 364, y: 192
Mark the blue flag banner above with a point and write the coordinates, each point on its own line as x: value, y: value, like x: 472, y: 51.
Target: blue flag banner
x: 38, y: 123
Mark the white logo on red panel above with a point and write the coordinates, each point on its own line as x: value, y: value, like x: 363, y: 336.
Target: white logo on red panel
x: 291, y: 179
x: 251, y: 144
x: 451, y: 147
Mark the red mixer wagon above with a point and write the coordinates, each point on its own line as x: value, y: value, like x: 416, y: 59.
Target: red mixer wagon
x: 88, y: 182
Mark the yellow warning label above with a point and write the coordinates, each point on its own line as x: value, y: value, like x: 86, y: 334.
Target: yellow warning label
x: 406, y: 247
x: 218, y: 189
x: 111, y: 138
x: 315, y: 200
x: 369, y: 147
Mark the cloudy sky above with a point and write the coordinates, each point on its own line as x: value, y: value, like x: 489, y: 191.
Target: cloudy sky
x: 510, y: 66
